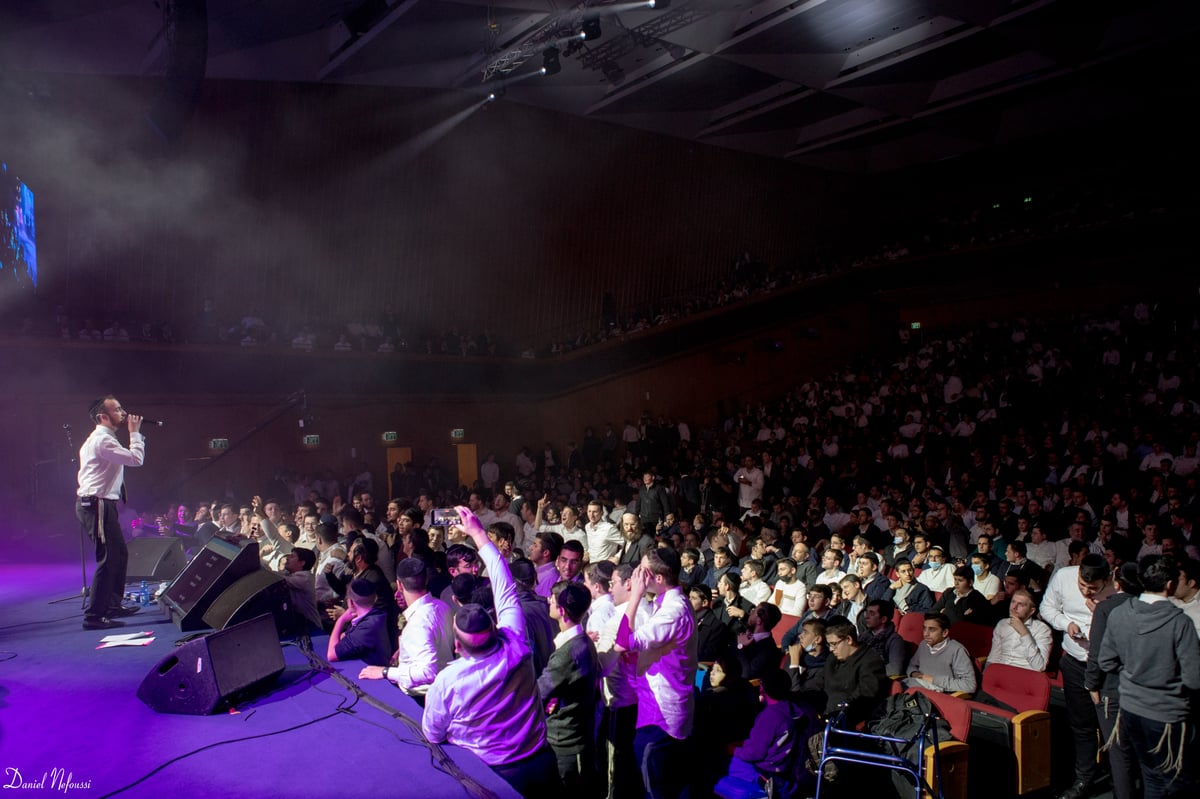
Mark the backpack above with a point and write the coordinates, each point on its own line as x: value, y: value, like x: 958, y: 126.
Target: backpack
x: 903, y: 717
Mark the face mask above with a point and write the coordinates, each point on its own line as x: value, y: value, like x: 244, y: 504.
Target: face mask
x: 898, y: 540
x: 810, y: 648
x: 934, y: 565
x: 975, y: 567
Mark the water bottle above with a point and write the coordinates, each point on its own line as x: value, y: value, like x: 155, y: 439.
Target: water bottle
x: 145, y: 593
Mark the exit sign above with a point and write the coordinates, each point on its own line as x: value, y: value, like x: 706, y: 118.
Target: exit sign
x: 914, y: 325
x: 458, y: 434
x: 312, y: 441
x: 390, y: 437
x: 218, y: 443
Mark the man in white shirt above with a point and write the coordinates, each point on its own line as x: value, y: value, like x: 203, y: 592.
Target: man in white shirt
x: 1021, y: 640
x: 790, y: 594
x: 500, y: 507
x: 101, y: 480
x: 1070, y: 599
x: 620, y: 690
x: 937, y: 576
x: 666, y: 652
x: 1039, y: 550
x: 754, y: 589
x: 750, y: 483
x: 427, y: 640
x: 487, y: 700
x: 604, y: 541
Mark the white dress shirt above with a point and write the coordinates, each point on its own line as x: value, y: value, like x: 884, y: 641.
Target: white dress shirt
x: 620, y: 677
x: 102, y: 462
x: 1030, y: 651
x: 1063, y: 604
x: 666, y: 647
x: 426, y: 645
x: 490, y: 704
x: 604, y: 541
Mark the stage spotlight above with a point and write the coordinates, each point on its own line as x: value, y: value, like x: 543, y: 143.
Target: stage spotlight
x: 550, y: 62
x: 591, y: 28
x: 491, y: 98
x: 659, y: 4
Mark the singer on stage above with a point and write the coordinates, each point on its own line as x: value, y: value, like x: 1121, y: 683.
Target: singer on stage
x: 102, y: 462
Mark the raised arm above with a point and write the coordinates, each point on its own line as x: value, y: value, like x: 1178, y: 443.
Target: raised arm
x: 504, y: 589
x: 110, y: 449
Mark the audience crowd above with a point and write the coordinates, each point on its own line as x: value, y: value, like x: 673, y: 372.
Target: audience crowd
x: 653, y: 610
x: 388, y: 331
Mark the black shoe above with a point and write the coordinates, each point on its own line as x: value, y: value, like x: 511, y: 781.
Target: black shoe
x: 101, y: 623
x: 123, y: 610
x: 1079, y: 790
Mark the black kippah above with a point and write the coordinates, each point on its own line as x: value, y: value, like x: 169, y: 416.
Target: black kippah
x: 362, y: 588
x: 473, y: 619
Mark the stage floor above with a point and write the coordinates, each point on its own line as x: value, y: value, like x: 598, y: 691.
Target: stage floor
x: 69, y: 713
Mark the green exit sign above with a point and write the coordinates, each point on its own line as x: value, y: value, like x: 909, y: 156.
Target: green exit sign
x: 914, y: 325
x: 458, y: 434
x: 390, y: 437
x: 312, y: 441
x: 218, y: 443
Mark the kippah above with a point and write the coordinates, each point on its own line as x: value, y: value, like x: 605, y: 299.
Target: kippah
x: 410, y: 567
x: 362, y: 588
x: 473, y: 619
x: 670, y: 559
x: 523, y: 571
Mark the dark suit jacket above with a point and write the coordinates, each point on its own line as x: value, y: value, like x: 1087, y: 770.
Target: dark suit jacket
x: 759, y: 657
x: 973, y: 607
x: 713, y: 638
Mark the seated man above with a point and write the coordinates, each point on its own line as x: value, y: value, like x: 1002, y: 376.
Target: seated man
x: 1021, y: 640
x: 808, y: 655
x: 569, y: 688
x: 713, y: 638
x: 756, y: 649
x: 911, y: 596
x: 984, y: 581
x: 790, y: 594
x: 487, y: 700
x: 937, y: 576
x: 881, y: 635
x: 854, y: 676
x: 939, y: 663
x: 754, y: 589
x: 964, y: 603
x: 362, y: 631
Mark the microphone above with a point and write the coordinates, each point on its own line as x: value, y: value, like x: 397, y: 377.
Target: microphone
x: 152, y: 422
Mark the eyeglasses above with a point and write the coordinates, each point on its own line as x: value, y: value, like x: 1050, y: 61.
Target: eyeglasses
x: 835, y: 644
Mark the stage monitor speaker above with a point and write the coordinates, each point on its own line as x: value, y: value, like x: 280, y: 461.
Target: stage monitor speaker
x: 216, y: 567
x: 155, y: 559
x: 253, y: 595
x: 215, y: 671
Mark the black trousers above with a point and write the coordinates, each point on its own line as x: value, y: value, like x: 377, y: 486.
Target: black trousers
x: 112, y: 556
x: 534, y: 777
x: 1081, y: 713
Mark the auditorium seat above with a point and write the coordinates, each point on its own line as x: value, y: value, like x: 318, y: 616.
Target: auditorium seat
x: 1025, y: 730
